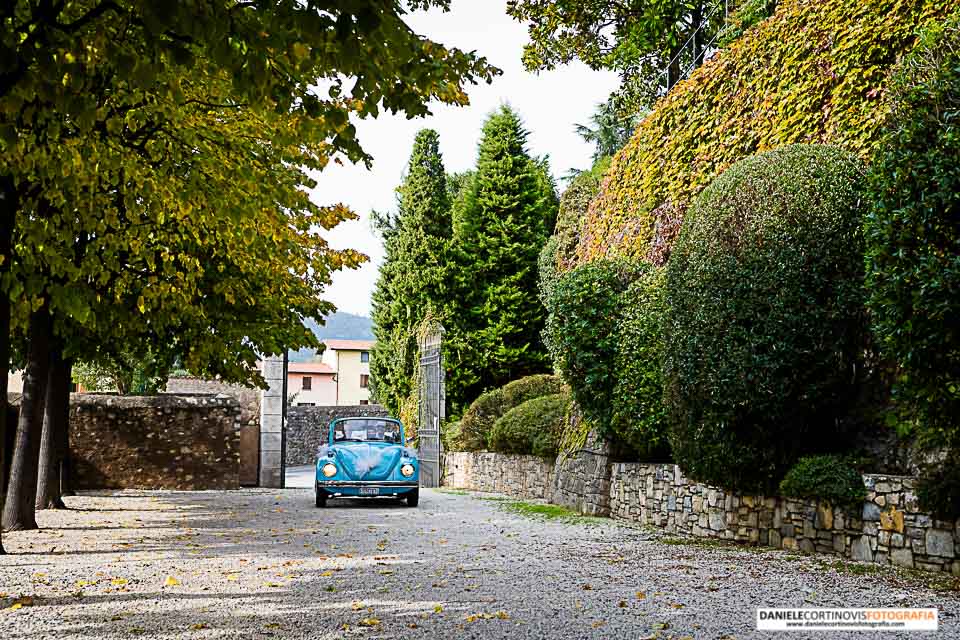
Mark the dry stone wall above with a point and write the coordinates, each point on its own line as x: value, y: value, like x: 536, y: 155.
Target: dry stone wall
x: 888, y: 529
x: 186, y: 442
x: 582, y: 479
x: 307, y: 428
x: 519, y: 476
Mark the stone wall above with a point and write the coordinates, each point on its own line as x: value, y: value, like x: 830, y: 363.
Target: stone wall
x: 307, y: 428
x: 519, y: 476
x: 582, y: 478
x: 186, y: 442
x: 888, y: 529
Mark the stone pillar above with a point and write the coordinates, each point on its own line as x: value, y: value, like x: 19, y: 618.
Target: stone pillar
x: 273, y: 410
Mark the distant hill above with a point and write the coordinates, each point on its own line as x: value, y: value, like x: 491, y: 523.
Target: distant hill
x: 336, y: 325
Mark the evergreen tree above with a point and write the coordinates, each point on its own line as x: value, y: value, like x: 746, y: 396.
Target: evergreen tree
x: 503, y: 216
x: 412, y: 276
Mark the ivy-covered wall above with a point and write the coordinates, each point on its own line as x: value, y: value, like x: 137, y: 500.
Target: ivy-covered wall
x: 814, y: 72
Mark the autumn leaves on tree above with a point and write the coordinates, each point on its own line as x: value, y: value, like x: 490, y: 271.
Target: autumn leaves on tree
x: 153, y: 183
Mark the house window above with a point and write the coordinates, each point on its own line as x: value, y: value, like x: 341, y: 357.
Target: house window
x: 364, y: 356
x: 364, y: 381
x: 364, y: 402
x: 307, y: 383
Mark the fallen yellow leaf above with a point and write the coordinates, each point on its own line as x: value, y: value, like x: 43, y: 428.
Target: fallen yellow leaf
x: 370, y: 622
x: 171, y: 582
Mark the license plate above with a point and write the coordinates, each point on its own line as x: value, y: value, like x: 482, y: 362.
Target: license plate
x: 369, y: 491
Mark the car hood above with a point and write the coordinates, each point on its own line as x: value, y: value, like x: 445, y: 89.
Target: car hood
x: 367, y: 462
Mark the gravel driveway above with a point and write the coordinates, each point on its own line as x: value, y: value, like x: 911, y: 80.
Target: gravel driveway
x: 260, y: 564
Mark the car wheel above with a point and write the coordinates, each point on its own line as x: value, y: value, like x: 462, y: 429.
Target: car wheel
x: 321, y: 497
x: 413, y: 498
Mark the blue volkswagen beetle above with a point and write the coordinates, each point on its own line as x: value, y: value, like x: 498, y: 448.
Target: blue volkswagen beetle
x: 366, y: 457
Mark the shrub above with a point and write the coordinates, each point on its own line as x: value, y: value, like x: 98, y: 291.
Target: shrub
x: 825, y: 477
x: 812, y: 72
x: 530, y: 387
x: 531, y: 428
x: 638, y: 416
x: 582, y: 335
x: 480, y: 417
x: 765, y: 326
x: 912, y: 234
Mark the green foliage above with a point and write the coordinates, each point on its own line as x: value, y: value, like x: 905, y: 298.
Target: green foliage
x: 126, y: 373
x: 747, y: 14
x: 155, y: 164
x: 502, y: 219
x: 610, y: 131
x: 638, y: 416
x: 814, y: 72
x: 765, y: 327
x: 519, y: 391
x: 532, y: 427
x: 605, y: 334
x: 651, y: 45
x: 582, y: 333
x: 478, y: 419
x: 938, y: 488
x: 480, y: 416
x: 414, y: 272
x: 913, y: 236
x: 825, y: 477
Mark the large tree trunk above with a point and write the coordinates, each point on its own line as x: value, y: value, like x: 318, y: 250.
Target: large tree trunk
x: 54, y: 436
x: 8, y: 212
x: 19, y: 512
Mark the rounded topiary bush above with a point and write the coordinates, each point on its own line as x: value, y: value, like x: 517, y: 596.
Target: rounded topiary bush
x: 531, y: 428
x: 765, y: 324
x: 825, y: 477
x: 582, y: 335
x: 638, y: 416
x: 912, y: 234
x: 480, y: 417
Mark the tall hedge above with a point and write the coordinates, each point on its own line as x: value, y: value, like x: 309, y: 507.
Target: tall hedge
x: 913, y: 254
x: 582, y: 333
x: 638, y: 417
x: 913, y: 233
x: 814, y: 72
x: 765, y: 326
x: 605, y: 334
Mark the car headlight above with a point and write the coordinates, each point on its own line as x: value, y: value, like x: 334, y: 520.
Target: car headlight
x: 329, y: 470
x: 407, y: 470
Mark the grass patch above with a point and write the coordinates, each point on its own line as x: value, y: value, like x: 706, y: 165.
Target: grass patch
x: 545, y: 511
x: 453, y: 492
x: 853, y: 568
x: 714, y: 543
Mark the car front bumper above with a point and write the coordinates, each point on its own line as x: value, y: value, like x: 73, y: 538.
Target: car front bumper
x: 364, y: 488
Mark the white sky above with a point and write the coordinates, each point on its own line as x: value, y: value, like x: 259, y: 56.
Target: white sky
x: 550, y: 104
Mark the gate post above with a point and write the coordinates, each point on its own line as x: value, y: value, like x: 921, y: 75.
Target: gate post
x: 431, y: 409
x: 273, y: 414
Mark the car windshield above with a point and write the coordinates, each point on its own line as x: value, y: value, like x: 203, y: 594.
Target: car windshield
x: 366, y: 430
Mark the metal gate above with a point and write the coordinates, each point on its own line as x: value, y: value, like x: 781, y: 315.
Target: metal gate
x: 431, y: 406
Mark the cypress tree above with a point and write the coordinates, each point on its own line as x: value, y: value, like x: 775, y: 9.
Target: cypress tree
x: 412, y: 277
x: 503, y: 216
